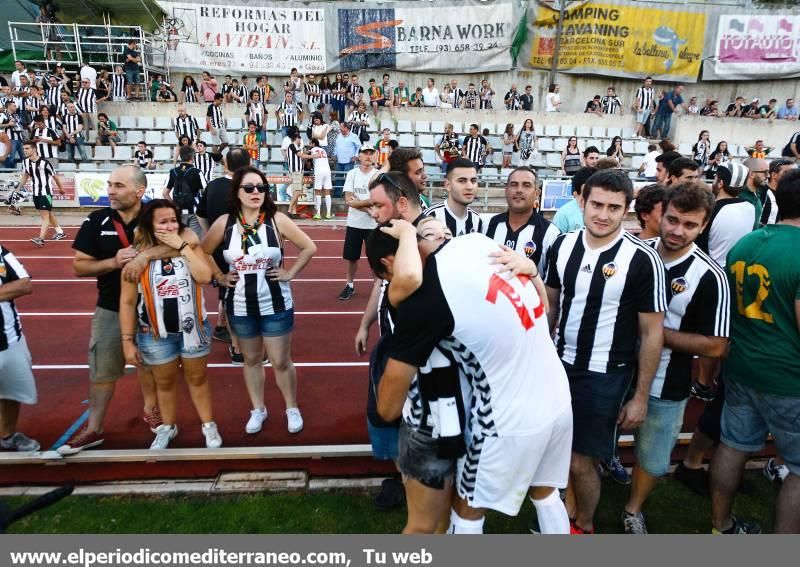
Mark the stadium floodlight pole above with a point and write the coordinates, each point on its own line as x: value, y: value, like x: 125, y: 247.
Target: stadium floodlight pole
x: 562, y: 7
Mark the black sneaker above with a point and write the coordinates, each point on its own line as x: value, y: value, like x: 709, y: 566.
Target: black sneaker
x: 347, y: 293
x: 222, y: 334
x: 237, y: 358
x: 392, y: 494
x: 695, y: 480
x: 739, y: 527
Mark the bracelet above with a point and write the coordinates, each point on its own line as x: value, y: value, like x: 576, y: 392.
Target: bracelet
x: 128, y: 339
x: 182, y: 246
x: 127, y: 335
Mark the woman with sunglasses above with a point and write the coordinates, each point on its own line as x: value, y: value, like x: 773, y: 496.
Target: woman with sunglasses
x: 166, y: 306
x: 259, y: 302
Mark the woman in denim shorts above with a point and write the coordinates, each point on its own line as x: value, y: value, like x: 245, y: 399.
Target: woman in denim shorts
x: 167, y: 308
x: 259, y: 302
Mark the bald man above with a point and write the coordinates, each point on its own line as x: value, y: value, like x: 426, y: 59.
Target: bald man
x: 756, y: 187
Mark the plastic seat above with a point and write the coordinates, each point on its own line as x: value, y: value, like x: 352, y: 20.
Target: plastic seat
x: 102, y: 153
x: 583, y: 132
x: 127, y: 122
x: 153, y: 137
x: 145, y: 122
x: 560, y: 144
x: 122, y: 153
x: 552, y: 130
x: 423, y: 126
x: 426, y: 140
x: 162, y: 154
x: 406, y: 140
x: 404, y: 126
x: 545, y: 144
x: 598, y: 131
x: 163, y: 123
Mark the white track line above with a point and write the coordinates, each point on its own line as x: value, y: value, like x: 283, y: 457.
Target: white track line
x: 90, y: 313
x: 212, y: 365
x: 300, y: 280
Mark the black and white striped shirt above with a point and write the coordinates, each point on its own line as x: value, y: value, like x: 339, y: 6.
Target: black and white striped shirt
x: 475, y: 149
x: 262, y: 93
x: 355, y: 117
x: 602, y: 292
x: 41, y: 174
x: 53, y: 96
x: 513, y: 101
x: 71, y: 123
x: 215, y: 114
x: 186, y: 126
x: 471, y: 222
x: 293, y: 159
x: 22, y: 101
x: 143, y: 158
x: 289, y: 113
x: 86, y: 101
x: 33, y: 105
x: 356, y: 93
x: 205, y: 163
x: 338, y: 85
x: 698, y: 301
x: 769, y: 215
x: 241, y: 92
x: 644, y: 96
x: 61, y: 110
x: 13, y: 132
x: 471, y: 100
x: 458, y: 94
x: 189, y: 93
x: 118, y: 83
x: 226, y: 88
x: 44, y: 149
x: 312, y: 95
x: 53, y: 123
x: 486, y: 98
x: 257, y: 112
x: 611, y: 104
x: 255, y: 294
x: 11, y: 270
x: 533, y: 239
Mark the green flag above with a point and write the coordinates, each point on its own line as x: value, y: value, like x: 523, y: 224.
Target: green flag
x: 520, y: 36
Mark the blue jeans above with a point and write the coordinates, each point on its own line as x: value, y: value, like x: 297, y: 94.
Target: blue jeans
x: 79, y: 143
x: 252, y: 326
x: 338, y: 107
x: 338, y: 178
x: 16, y: 150
x: 656, y: 437
x: 163, y: 350
x: 662, y: 123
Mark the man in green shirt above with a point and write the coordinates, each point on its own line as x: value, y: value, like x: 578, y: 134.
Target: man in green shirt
x: 762, y: 371
x: 756, y: 181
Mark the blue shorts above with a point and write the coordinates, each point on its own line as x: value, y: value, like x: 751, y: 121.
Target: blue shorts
x: 161, y: 351
x: 132, y: 76
x: 749, y: 415
x: 656, y: 437
x: 597, y: 399
x: 251, y: 326
x: 384, y: 441
x: 417, y: 458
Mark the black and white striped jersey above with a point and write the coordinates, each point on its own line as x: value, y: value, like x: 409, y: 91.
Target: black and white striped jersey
x: 143, y: 158
x: 611, y: 104
x: 44, y: 149
x: 241, y: 92
x: 205, y: 163
x: 226, y: 88
x: 118, y: 83
x: 644, y: 96
x: 471, y: 222
x: 356, y: 93
x: 475, y: 148
x: 186, y: 126
x: 513, y: 101
x: 337, y: 86
x: 214, y: 114
x: 422, y: 408
x: 22, y: 101
x: 289, y: 113
x: 293, y: 159
x: 533, y: 239
x: 486, y: 98
x: 769, y: 214
x: 13, y: 132
x: 53, y: 123
x: 72, y: 121
x: 357, y: 116
x: 41, y: 174
x: 262, y: 93
x: 257, y: 112
x: 61, y: 110
x: 53, y: 95
x: 698, y: 301
x: 33, y: 105
x: 602, y: 292
x: 312, y: 95
x: 458, y: 94
x: 11, y: 270
x: 86, y: 101
x: 255, y: 294
x: 471, y: 100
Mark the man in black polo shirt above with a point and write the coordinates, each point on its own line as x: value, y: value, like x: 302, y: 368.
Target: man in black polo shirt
x: 184, y: 187
x: 102, y: 248
x: 213, y: 204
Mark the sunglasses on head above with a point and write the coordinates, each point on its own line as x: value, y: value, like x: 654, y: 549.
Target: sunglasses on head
x: 249, y: 187
x: 386, y: 178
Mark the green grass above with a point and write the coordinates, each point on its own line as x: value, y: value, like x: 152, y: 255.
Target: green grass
x: 670, y: 509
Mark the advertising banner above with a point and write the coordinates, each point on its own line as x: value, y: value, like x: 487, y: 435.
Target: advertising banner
x: 754, y: 47
x: 621, y: 41
x: 91, y: 187
x: 437, y: 37
x: 245, y: 37
x: 12, y: 194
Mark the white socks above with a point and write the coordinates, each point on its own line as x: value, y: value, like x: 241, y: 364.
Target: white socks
x: 328, y: 204
x: 459, y: 525
x: 318, y: 204
x: 552, y: 514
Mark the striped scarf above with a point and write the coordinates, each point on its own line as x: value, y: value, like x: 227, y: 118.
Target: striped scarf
x: 250, y: 232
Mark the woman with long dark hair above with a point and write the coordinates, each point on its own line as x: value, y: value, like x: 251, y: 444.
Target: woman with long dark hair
x: 615, y: 149
x: 166, y: 306
x: 259, y: 302
x: 526, y: 142
x: 571, y: 157
x: 719, y: 156
x: 701, y: 150
x: 190, y: 92
x: 325, y: 90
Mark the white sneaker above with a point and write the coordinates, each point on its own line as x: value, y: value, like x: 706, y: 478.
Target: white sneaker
x: 294, y: 419
x: 164, y: 434
x: 257, y: 419
x: 210, y: 432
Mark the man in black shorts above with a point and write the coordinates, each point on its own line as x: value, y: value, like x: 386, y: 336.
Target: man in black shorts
x: 359, y: 221
x: 40, y: 173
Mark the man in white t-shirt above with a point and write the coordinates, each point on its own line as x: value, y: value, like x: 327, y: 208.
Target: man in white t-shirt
x: 359, y: 221
x: 518, y: 429
x: 90, y: 74
x: 430, y: 95
x: 648, y: 169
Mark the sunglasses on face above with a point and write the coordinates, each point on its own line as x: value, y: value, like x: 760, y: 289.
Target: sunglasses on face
x: 249, y: 187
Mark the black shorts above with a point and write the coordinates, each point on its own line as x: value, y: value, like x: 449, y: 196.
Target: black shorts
x: 710, y: 421
x: 596, y: 401
x: 354, y: 239
x: 417, y: 458
x: 43, y: 202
